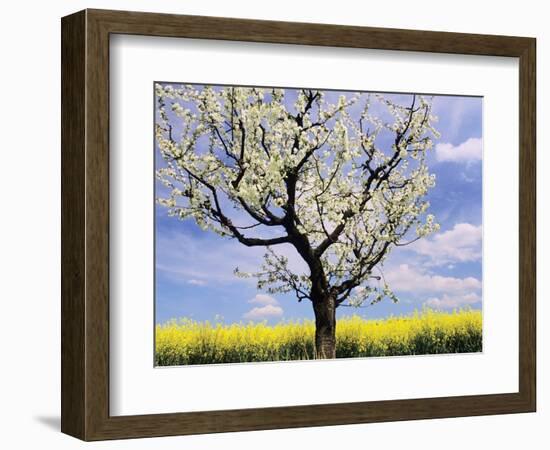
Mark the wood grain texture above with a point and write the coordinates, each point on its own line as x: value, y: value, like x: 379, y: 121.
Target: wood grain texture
x: 85, y: 224
x: 527, y: 224
x: 73, y: 112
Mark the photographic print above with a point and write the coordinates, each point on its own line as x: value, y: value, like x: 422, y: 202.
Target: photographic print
x: 313, y: 224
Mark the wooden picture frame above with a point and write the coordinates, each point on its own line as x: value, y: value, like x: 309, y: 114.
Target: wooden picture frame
x: 85, y: 224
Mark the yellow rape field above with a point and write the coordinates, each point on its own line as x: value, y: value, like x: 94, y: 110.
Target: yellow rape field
x: 186, y: 342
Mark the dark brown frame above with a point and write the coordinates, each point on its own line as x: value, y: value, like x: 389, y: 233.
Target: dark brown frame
x: 85, y: 224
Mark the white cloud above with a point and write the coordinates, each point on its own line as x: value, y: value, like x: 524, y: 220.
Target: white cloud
x: 263, y: 299
x: 270, y: 308
x: 453, y: 113
x: 460, y: 244
x: 264, y: 312
x: 469, y: 150
x: 405, y: 278
x: 453, y: 301
x: 195, y: 282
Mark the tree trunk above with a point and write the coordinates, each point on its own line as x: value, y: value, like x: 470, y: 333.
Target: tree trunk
x: 325, y: 327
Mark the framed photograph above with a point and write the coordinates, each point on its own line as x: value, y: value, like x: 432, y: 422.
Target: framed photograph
x: 272, y: 225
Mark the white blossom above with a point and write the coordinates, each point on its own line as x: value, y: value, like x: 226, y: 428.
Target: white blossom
x: 317, y: 174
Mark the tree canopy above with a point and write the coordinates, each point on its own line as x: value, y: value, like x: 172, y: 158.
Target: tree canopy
x: 343, y: 180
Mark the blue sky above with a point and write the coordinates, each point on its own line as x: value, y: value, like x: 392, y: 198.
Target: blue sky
x: 194, y: 268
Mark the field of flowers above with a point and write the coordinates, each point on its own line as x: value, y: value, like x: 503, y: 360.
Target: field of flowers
x: 428, y: 332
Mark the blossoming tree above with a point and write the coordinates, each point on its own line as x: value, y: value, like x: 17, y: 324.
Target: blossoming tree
x: 341, y: 181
